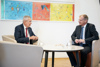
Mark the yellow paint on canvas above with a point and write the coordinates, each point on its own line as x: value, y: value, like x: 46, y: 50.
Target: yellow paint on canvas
x: 61, y: 12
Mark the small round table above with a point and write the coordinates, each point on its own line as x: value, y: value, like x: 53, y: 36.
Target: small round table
x: 51, y: 48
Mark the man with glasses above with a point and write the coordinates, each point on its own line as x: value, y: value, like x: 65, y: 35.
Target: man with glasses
x: 83, y: 36
x: 23, y: 32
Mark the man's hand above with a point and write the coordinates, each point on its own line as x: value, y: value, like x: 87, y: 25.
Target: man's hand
x: 76, y: 40
x: 79, y: 41
x: 33, y: 37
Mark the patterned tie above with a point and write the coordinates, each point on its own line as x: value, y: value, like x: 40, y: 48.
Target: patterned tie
x: 81, y: 35
x: 26, y: 34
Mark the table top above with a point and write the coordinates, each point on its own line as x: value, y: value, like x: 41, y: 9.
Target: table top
x: 61, y: 48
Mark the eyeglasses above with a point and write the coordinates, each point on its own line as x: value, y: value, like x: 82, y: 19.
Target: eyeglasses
x: 81, y: 20
x: 29, y: 21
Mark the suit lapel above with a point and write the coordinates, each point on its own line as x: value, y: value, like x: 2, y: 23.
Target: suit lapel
x: 23, y: 30
x: 29, y: 31
x: 79, y: 31
x: 86, y: 29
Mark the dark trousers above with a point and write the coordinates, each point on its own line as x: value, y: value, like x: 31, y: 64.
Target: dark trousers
x: 84, y: 53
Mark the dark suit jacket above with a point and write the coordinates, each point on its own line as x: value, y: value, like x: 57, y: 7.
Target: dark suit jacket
x: 20, y: 34
x: 90, y: 34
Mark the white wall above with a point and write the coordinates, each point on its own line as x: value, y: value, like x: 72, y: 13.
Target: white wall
x: 54, y: 32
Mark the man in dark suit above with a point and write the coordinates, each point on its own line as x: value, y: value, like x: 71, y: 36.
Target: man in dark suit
x: 83, y: 35
x: 23, y: 32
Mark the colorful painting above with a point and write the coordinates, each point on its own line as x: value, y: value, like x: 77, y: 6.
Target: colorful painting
x: 62, y: 12
x: 41, y: 11
x: 2, y: 9
x: 15, y: 10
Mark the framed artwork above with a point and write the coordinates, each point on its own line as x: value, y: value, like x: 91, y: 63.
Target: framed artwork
x: 62, y: 12
x: 41, y: 11
x: 15, y: 10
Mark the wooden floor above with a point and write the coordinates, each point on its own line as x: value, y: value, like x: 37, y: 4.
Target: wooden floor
x: 58, y: 62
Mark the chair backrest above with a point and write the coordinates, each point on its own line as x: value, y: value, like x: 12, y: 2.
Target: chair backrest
x: 99, y: 56
x: 20, y: 55
x: 95, y: 53
x: 9, y: 38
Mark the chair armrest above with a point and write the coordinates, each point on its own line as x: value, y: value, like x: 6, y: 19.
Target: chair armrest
x: 95, y: 53
x: 9, y: 38
x: 99, y: 59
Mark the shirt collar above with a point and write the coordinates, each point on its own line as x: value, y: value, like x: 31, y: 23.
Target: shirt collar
x: 84, y: 25
x: 24, y: 26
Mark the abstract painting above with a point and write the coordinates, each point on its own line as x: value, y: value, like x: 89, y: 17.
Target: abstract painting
x: 62, y: 12
x: 41, y: 11
x: 2, y: 9
x: 16, y: 10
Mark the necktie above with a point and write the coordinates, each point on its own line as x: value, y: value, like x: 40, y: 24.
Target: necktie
x: 81, y: 35
x: 26, y: 34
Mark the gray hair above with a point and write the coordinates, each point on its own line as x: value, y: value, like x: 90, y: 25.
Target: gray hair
x: 25, y: 18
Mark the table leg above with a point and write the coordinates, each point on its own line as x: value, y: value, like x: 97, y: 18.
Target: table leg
x: 52, y: 59
x: 46, y: 58
x: 77, y: 57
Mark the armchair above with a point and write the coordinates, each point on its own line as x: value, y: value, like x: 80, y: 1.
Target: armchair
x: 95, y: 53
x: 99, y: 58
x: 92, y: 57
x: 11, y: 38
x: 20, y: 55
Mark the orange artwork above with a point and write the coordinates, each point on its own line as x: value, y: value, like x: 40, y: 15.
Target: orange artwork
x: 41, y: 11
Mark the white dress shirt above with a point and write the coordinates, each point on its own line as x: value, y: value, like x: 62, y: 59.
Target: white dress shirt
x: 84, y: 32
x: 25, y: 32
